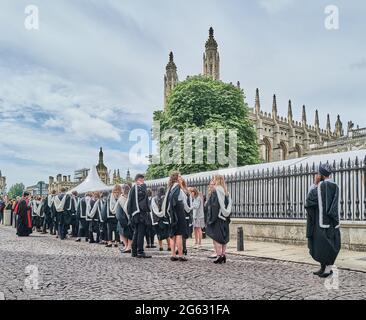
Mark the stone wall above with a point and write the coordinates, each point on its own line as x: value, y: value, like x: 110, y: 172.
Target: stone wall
x: 294, y: 232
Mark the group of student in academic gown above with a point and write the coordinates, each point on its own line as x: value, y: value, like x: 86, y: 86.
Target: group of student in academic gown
x: 130, y: 214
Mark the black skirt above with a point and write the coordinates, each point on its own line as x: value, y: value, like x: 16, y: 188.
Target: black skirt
x: 126, y: 231
x: 179, y: 228
x: 219, y: 231
x: 162, y: 230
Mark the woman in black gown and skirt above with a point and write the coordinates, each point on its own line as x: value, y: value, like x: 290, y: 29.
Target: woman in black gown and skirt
x: 218, y: 217
x: 174, y: 208
x: 124, y: 226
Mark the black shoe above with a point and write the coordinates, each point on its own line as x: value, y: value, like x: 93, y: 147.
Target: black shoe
x: 174, y: 258
x: 78, y: 240
x: 108, y: 245
x: 219, y: 260
x: 148, y: 247
x: 143, y: 256
x: 169, y: 249
x: 133, y: 254
x: 183, y: 259
x: 127, y: 251
x: 185, y: 252
x: 326, y: 275
x: 319, y: 272
x: 116, y: 245
x: 161, y: 249
x: 153, y: 247
x: 224, y: 258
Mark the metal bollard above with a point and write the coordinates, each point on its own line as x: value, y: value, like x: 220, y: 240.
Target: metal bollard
x: 240, y: 239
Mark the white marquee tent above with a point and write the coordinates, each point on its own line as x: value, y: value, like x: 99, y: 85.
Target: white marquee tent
x: 91, y: 183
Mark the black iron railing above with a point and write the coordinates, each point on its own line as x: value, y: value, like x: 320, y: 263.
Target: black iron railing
x: 281, y: 193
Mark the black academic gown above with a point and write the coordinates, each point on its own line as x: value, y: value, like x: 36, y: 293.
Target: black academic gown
x: 124, y: 224
x: 24, y: 220
x: 143, y: 203
x: 217, y: 228
x: 176, y: 213
x: 322, y: 230
x: 47, y: 213
x: 161, y: 225
x: 65, y: 215
x: 81, y: 218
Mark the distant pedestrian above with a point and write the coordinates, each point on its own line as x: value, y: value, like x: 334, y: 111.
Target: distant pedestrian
x: 2, y: 208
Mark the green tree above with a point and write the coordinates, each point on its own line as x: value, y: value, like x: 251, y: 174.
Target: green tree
x: 16, y: 190
x: 203, y: 103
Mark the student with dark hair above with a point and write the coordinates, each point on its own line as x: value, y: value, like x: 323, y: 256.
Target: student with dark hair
x: 74, y: 203
x: 159, y: 220
x: 124, y: 226
x: 61, y: 202
x: 138, y: 211
x: 111, y: 218
x: 323, y: 221
x: 24, y: 216
x: 150, y: 232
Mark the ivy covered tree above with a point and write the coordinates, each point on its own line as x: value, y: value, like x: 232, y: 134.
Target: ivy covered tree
x: 203, y: 103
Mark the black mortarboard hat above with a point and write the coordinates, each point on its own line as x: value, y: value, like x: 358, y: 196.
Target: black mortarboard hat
x: 325, y: 170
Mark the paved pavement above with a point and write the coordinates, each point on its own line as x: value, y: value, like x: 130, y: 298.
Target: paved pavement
x: 70, y: 270
x: 347, y: 259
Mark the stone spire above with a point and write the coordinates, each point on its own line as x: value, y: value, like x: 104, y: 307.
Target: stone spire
x: 211, y: 57
x: 289, y: 113
x: 317, y: 124
x: 304, y: 122
x: 274, y: 107
x: 257, y: 102
x: 101, y: 156
x: 170, y: 78
x: 128, y: 175
x: 329, y: 128
x: 339, y: 127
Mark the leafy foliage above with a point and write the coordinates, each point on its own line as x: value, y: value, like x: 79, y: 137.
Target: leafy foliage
x: 16, y: 190
x: 203, y: 103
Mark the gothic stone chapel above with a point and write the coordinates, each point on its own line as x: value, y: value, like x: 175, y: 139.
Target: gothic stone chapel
x: 279, y: 138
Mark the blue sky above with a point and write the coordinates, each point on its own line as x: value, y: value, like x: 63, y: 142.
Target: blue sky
x: 94, y: 70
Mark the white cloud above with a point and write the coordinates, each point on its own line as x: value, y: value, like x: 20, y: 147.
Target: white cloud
x: 275, y: 6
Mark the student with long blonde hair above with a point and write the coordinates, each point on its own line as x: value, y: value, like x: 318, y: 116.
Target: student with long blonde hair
x: 218, y: 217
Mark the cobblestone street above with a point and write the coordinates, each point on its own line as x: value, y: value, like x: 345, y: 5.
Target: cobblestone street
x: 70, y: 270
